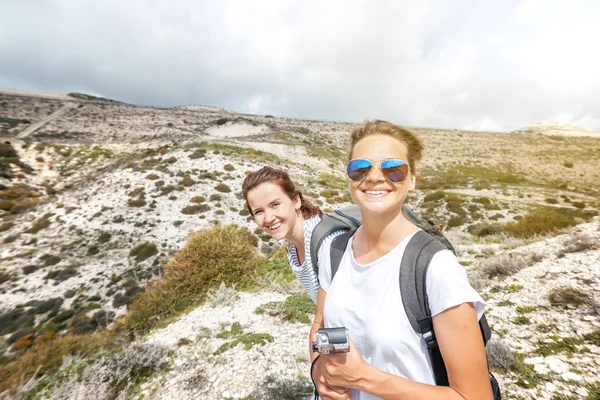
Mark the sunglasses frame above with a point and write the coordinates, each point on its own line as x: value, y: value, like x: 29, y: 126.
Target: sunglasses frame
x: 373, y: 163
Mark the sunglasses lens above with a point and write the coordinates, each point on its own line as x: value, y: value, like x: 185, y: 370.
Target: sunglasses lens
x: 394, y: 170
x: 358, y: 169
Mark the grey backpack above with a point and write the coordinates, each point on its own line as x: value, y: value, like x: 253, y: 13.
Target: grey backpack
x: 350, y: 218
x: 413, y: 273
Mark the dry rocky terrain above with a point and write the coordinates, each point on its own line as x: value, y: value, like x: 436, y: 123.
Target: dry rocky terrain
x: 96, y: 199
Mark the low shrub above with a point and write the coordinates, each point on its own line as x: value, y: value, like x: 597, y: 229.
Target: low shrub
x: 195, y: 209
x: 143, y: 251
x: 223, y: 188
x: 209, y: 257
x: 6, y: 226
x: 136, y: 202
x: 507, y: 264
x: 434, y: 196
x: 580, y: 242
x: 483, y: 229
x: 539, y: 222
x: 570, y: 296
x: 499, y: 355
x: 187, y: 181
x: 152, y: 177
x: 38, y: 225
x: 46, y: 357
x: 228, y: 167
x: 198, y: 199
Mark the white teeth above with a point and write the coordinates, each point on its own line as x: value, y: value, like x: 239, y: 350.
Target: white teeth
x: 273, y: 227
x: 376, y: 192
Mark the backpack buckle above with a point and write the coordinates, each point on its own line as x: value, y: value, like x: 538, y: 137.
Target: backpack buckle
x: 430, y: 340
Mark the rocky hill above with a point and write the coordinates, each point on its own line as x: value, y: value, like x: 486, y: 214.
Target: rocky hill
x: 97, y: 196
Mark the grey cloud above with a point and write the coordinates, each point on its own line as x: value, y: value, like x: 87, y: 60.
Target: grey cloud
x: 466, y: 64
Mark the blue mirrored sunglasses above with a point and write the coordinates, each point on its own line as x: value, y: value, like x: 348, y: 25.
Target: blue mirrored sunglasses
x: 393, y: 169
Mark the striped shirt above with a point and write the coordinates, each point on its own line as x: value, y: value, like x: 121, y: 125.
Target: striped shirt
x: 305, y: 272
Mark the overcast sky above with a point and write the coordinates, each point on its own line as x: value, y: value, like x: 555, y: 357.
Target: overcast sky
x: 481, y: 64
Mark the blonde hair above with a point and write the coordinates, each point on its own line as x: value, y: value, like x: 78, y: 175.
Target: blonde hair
x: 377, y: 127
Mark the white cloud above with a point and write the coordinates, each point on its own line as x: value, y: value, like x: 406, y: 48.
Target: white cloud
x: 448, y: 63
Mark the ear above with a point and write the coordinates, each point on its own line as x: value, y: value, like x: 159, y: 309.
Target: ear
x: 411, y: 181
x: 297, y: 202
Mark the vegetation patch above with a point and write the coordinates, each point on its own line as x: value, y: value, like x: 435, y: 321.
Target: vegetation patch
x: 541, y: 221
x: 210, y: 256
x: 46, y: 357
x: 248, y: 339
x: 570, y: 296
x: 223, y: 188
x: 296, y: 308
x: 143, y: 251
x: 136, y: 202
x: 557, y: 344
x: 195, y: 209
x: 39, y: 224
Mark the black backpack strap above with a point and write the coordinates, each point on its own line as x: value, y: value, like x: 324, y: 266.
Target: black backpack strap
x: 336, y: 252
x: 413, y: 287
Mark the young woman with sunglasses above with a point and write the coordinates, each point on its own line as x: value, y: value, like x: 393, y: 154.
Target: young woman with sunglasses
x: 387, y: 359
x: 280, y: 210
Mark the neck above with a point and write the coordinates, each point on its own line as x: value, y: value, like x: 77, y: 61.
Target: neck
x: 297, y: 234
x: 383, y: 230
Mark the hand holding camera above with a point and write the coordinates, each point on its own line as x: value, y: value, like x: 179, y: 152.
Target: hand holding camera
x: 331, y: 340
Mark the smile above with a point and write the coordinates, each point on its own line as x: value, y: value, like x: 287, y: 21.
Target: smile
x: 274, y: 226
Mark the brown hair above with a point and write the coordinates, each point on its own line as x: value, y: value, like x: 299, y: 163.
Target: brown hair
x: 408, y: 138
x: 281, y: 179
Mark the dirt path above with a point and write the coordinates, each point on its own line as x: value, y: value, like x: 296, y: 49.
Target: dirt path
x: 28, y: 131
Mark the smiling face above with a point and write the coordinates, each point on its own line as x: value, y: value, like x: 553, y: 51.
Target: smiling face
x: 374, y: 193
x: 273, y: 211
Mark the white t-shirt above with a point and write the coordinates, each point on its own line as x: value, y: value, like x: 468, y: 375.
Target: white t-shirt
x: 366, y: 299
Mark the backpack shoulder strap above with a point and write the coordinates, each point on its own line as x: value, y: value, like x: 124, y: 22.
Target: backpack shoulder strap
x: 336, y: 252
x: 328, y: 224
x: 413, y: 288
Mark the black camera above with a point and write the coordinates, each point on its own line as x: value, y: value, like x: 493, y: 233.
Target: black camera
x: 331, y: 340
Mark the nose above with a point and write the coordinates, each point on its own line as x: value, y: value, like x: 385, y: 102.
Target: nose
x: 269, y: 216
x: 375, y: 174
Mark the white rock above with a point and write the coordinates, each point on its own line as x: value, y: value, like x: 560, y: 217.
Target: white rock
x: 540, y: 369
x: 534, y: 360
x: 556, y: 365
x: 550, y: 387
x: 571, y: 377
x: 583, y: 392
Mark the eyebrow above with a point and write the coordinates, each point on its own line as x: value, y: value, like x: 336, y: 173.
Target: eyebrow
x: 270, y: 204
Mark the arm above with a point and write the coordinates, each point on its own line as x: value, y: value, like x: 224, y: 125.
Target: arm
x: 461, y: 345
x: 326, y: 391
x: 317, y: 323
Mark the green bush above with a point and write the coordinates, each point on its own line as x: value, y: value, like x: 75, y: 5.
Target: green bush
x: 209, y: 257
x: 568, y: 165
x: 187, y: 181
x: 228, y: 167
x: 539, y: 222
x: 136, y: 203
x: 195, y: 209
x: 223, y: 188
x: 434, y: 196
x: 143, y: 251
x: 483, y: 229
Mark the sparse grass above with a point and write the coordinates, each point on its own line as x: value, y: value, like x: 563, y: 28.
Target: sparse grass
x: 539, y: 222
x: 277, y: 388
x: 45, y: 357
x: 570, y: 296
x: 580, y: 242
x: 295, y: 308
x: 210, y: 256
x: 507, y: 264
x: 248, y: 339
x: 593, y: 338
x: 557, y: 344
x: 195, y: 209
x: 522, y: 320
